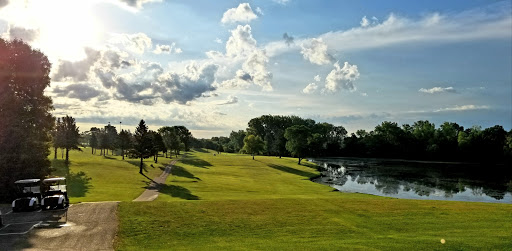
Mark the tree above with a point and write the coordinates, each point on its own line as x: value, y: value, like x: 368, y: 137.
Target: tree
x: 158, y: 144
x: 25, y: 118
x: 70, y: 135
x: 94, y: 141
x: 110, y: 137
x: 237, y: 140
x: 184, y: 135
x: 297, y: 143
x: 124, y: 141
x: 253, y: 145
x: 170, y: 138
x: 57, y: 137
x: 142, y: 147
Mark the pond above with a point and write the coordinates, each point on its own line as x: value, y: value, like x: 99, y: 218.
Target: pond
x: 417, y: 179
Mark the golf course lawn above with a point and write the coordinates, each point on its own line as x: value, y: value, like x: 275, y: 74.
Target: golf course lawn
x: 230, y: 201
x: 97, y: 178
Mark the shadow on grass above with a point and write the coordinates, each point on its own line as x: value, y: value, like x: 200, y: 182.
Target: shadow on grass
x: 137, y: 164
x: 181, y: 172
x: 177, y: 191
x: 292, y: 170
x: 201, y: 150
x: 107, y: 157
x: 196, y: 162
x: 78, y: 184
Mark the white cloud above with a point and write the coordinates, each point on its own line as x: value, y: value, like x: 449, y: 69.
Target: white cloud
x: 259, y: 11
x: 317, y: 78
x: 241, y: 42
x: 137, y: 43
x: 282, y: 2
x: 3, y: 3
x: 242, y: 13
x: 218, y: 40
x: 311, y: 88
x: 341, y: 78
x: 435, y: 90
x: 491, y: 23
x: 316, y: 52
x: 167, y: 49
x: 25, y: 34
x: 231, y: 100
x: 365, y: 22
x: 464, y: 108
x: 137, y: 3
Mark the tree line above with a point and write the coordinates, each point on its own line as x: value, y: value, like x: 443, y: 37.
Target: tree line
x: 294, y: 136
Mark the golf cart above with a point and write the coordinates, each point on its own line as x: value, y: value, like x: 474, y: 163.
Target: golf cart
x: 55, y: 195
x: 29, y: 195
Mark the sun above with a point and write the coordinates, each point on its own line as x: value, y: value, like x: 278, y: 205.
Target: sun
x: 65, y: 27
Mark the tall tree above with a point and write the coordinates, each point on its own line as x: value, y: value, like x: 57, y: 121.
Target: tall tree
x: 298, y: 137
x: 253, y: 145
x: 70, y: 134
x: 142, y: 147
x: 158, y: 144
x: 25, y: 118
x: 185, y: 135
x: 125, y: 141
x: 170, y: 138
x: 57, y: 136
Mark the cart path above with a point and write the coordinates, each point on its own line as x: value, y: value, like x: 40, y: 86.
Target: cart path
x: 90, y: 226
x: 151, y: 193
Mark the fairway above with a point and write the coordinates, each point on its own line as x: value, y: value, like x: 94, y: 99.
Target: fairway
x: 105, y: 178
x: 230, y: 201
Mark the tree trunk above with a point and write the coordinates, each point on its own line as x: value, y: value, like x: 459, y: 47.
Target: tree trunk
x: 300, y: 160
x: 122, y: 152
x: 67, y: 155
x: 253, y: 157
x: 55, y: 148
x: 62, y: 153
x: 92, y: 150
x: 141, y: 159
x: 156, y: 158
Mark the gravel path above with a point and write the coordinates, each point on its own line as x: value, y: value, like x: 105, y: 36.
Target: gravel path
x: 151, y: 193
x: 90, y: 226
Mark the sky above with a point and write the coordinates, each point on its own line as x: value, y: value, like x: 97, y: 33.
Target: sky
x: 214, y: 65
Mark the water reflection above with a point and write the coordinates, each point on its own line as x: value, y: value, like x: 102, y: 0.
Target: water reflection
x: 417, y: 180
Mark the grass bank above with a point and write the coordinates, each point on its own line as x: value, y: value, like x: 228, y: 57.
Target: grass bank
x: 98, y: 178
x: 232, y: 202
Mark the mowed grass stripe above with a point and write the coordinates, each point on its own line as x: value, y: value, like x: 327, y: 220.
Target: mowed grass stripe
x: 232, y: 202
x: 93, y: 178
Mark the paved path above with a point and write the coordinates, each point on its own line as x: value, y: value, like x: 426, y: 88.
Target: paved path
x: 151, y: 193
x: 89, y: 226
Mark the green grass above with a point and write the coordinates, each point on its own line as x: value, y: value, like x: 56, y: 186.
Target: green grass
x: 228, y: 202
x: 97, y: 178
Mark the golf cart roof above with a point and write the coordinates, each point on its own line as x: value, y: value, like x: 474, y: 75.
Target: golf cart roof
x: 54, y: 179
x: 27, y: 181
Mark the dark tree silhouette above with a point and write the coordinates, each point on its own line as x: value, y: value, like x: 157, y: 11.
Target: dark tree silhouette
x: 25, y: 119
x: 124, y: 141
x: 70, y: 135
x: 142, y: 147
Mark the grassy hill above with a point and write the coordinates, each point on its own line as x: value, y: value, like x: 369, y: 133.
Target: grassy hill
x: 229, y: 201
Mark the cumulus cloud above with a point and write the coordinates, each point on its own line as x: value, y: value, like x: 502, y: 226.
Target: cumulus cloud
x: 137, y: 3
x: 167, y: 49
x: 436, y: 90
x: 79, y: 91
x: 27, y: 35
x: 317, y: 78
x: 254, y: 71
x: 288, y: 39
x: 341, y: 78
x: 77, y: 71
x: 463, y: 108
x: 218, y: 40
x: 240, y: 42
x: 365, y: 22
x: 137, y: 43
x: 259, y: 11
x: 242, y: 13
x: 311, y: 88
x: 316, y: 52
x: 231, y: 100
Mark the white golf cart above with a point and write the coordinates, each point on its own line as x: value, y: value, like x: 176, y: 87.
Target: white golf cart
x: 55, y: 195
x: 29, y: 195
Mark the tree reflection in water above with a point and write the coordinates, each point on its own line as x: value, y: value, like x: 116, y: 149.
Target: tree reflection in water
x: 421, y: 178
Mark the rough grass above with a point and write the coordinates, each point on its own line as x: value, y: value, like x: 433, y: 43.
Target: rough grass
x: 232, y: 202
x: 97, y: 178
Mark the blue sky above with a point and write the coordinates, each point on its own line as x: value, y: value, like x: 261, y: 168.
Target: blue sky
x: 214, y: 65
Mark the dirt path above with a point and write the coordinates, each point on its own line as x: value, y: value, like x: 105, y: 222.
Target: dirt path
x: 151, y: 193
x: 90, y: 226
